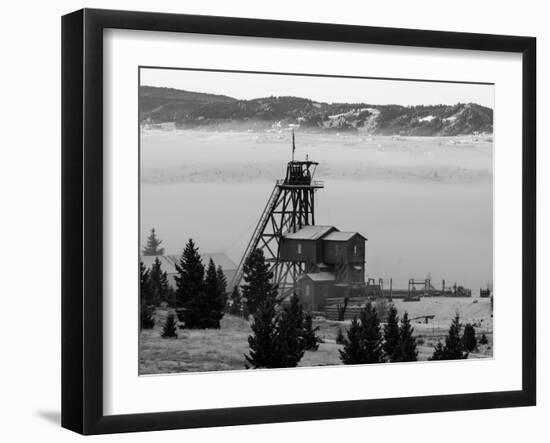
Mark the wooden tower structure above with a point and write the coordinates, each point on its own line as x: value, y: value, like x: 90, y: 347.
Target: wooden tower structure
x: 290, y: 207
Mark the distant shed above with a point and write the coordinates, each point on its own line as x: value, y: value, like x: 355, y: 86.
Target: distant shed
x: 168, y: 264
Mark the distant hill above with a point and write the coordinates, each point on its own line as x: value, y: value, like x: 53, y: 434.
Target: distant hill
x: 200, y: 110
x: 168, y: 104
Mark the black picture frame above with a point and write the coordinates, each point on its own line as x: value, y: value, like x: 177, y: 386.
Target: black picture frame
x: 82, y: 221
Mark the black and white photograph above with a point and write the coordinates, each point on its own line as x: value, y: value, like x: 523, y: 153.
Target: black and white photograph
x: 275, y: 222
x: 290, y: 220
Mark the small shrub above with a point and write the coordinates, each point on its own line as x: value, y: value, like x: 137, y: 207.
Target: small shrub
x: 147, y: 319
x: 420, y: 341
x: 169, y: 329
x: 483, y: 340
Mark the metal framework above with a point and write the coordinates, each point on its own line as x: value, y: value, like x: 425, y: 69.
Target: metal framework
x: 426, y: 283
x: 290, y: 206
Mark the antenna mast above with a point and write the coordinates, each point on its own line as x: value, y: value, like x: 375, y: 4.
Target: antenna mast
x: 293, y: 145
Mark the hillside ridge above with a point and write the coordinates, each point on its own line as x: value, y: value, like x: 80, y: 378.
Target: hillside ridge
x: 189, y: 109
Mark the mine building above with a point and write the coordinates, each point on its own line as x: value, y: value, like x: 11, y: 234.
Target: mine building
x: 333, y: 263
x: 313, y: 261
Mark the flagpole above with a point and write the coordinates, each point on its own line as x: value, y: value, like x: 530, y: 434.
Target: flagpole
x: 293, y: 145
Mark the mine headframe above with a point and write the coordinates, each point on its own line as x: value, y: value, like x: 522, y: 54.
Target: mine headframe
x: 290, y: 207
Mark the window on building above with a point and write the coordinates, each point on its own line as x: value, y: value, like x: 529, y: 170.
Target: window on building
x: 355, y: 249
x: 308, y: 290
x: 299, y: 248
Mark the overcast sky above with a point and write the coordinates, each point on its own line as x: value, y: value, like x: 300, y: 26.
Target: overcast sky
x: 322, y: 89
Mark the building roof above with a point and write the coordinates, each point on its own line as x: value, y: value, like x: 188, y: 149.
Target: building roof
x: 321, y: 276
x: 168, y: 262
x: 313, y: 232
x: 341, y: 236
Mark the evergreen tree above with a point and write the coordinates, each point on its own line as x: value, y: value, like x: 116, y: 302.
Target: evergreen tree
x: 263, y: 341
x: 222, y: 283
x: 246, y: 314
x: 439, y: 352
x: 453, y: 349
x: 169, y: 329
x: 153, y: 243
x: 364, y: 339
x: 372, y: 335
x: 453, y: 343
x: 145, y: 293
x: 222, y: 288
x: 147, y: 319
x: 289, y: 338
x: 406, y: 347
x: 146, y: 311
x: 236, y: 306
x: 483, y: 340
x: 382, y: 308
x: 170, y: 295
x: 257, y: 279
x: 311, y: 340
x: 353, y: 351
x: 213, y: 301
x: 469, y: 340
x: 190, y: 287
x: 340, y: 339
x: 159, y: 283
x: 391, y: 333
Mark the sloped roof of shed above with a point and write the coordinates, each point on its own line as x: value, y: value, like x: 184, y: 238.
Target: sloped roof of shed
x: 342, y: 236
x: 312, y: 232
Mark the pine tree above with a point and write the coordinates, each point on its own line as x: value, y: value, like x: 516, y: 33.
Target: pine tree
x: 406, y: 347
x: 146, y: 311
x: 222, y: 289
x: 159, y: 283
x: 372, y: 335
x: 483, y: 340
x: 145, y: 293
x: 340, y: 339
x: 311, y: 340
x: 222, y: 283
x: 453, y: 343
x: 453, y: 349
x: 383, y: 309
x: 190, y: 287
x: 391, y: 333
x: 364, y: 339
x: 213, y: 301
x: 439, y: 352
x: 236, y: 306
x: 469, y: 340
x: 169, y: 329
x: 289, y: 338
x: 170, y: 294
x: 257, y: 279
x: 153, y: 243
x: 147, y: 319
x: 353, y: 351
x: 263, y: 341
